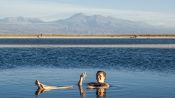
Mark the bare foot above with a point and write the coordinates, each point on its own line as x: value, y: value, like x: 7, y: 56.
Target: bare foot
x: 39, y: 84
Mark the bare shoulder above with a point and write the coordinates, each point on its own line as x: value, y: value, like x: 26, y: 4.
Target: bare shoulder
x: 98, y: 85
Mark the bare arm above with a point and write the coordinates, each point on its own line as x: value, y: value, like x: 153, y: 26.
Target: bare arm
x: 80, y: 85
x: 80, y: 82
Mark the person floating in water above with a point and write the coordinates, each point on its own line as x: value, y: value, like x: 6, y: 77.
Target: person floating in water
x: 100, y: 77
x: 100, y: 85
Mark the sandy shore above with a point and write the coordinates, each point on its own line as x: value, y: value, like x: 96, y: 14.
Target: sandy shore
x: 92, y: 46
x: 83, y: 36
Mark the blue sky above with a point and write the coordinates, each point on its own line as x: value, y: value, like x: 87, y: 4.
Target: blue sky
x: 155, y: 12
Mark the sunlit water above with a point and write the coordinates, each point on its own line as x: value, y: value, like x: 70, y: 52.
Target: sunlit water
x: 132, y: 73
x: 19, y: 83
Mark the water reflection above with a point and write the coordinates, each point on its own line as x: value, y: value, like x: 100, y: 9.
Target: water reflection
x: 100, y: 92
x: 82, y: 91
x: 40, y: 91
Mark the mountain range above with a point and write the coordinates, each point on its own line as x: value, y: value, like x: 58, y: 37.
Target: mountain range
x: 79, y: 24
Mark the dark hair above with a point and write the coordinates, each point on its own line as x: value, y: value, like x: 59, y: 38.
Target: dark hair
x: 103, y: 72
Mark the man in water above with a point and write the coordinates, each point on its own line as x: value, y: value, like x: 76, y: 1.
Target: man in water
x: 100, y: 77
x: 100, y: 85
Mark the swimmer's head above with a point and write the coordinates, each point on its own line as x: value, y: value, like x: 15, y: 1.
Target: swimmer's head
x: 101, y: 76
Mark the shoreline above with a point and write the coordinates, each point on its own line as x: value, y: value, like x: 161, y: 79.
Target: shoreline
x: 81, y: 36
x: 92, y: 46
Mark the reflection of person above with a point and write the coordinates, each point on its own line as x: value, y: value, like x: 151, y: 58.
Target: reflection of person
x: 42, y: 88
x: 101, y: 92
x: 39, y: 91
x: 100, y: 85
x: 82, y: 92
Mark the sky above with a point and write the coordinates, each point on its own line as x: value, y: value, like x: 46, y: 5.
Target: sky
x: 154, y: 12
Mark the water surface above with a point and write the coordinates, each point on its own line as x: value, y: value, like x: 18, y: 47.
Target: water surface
x: 19, y: 83
x: 131, y: 72
x: 83, y: 41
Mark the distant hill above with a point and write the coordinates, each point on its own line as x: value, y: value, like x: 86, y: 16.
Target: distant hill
x: 79, y: 24
x: 19, y: 20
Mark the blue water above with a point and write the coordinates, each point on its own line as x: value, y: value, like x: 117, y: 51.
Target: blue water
x: 19, y: 83
x: 63, y: 41
x: 131, y: 72
x: 109, y: 58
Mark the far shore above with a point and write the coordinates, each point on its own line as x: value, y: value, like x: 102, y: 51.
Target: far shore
x: 147, y: 36
x: 92, y: 46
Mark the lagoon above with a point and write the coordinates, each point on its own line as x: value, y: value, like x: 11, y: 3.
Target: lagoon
x: 19, y: 83
x: 131, y: 72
